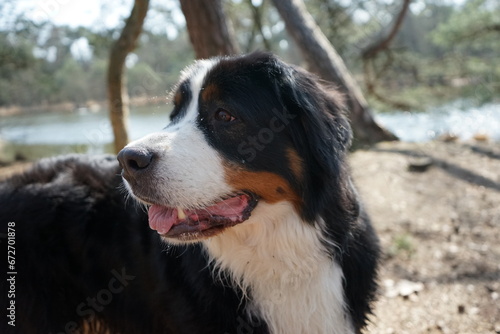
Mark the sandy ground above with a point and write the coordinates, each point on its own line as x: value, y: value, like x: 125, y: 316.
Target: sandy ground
x: 11, y: 169
x: 440, y: 232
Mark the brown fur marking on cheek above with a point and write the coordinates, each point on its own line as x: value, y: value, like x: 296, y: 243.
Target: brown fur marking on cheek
x: 296, y: 164
x: 210, y: 93
x: 268, y: 186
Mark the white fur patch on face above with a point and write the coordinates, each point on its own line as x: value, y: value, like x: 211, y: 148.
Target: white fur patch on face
x: 281, y: 263
x: 189, y: 172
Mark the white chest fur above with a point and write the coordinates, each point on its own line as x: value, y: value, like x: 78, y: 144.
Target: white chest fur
x: 295, y: 287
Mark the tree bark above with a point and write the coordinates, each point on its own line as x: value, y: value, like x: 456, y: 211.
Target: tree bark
x: 208, y: 29
x: 117, y: 91
x: 324, y: 60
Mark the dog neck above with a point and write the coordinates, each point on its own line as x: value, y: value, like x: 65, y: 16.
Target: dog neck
x: 281, y: 265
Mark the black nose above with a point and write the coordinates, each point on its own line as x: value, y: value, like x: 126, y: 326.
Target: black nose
x: 134, y: 159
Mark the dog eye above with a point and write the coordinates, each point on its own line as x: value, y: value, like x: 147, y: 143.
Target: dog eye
x: 223, y: 115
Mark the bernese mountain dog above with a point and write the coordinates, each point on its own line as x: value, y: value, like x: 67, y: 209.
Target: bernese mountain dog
x: 240, y: 216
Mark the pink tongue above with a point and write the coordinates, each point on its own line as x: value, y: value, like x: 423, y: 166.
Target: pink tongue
x: 161, y: 218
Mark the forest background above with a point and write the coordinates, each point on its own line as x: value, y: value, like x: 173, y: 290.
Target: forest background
x: 444, y: 50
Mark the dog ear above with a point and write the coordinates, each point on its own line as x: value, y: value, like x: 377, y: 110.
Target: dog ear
x: 321, y: 135
x: 320, y: 109
x: 324, y: 133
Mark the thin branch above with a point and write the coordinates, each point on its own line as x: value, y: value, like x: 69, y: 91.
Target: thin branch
x: 257, y: 19
x: 478, y: 32
x: 370, y: 87
x: 387, y: 64
x: 384, y: 43
x: 251, y: 39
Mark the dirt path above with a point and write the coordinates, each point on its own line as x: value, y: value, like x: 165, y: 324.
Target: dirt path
x: 17, y: 167
x: 440, y: 231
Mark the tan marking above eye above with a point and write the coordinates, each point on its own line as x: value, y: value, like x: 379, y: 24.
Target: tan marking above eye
x: 210, y: 92
x: 268, y: 186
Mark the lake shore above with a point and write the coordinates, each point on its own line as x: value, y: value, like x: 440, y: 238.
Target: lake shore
x: 92, y: 106
x: 439, y: 227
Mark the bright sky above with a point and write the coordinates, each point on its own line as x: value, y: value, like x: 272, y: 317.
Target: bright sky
x: 72, y: 12
x: 106, y: 14
x: 89, y: 13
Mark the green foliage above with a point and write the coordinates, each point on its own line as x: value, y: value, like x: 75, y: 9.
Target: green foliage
x: 14, y: 55
x: 472, y: 34
x: 474, y: 27
x: 336, y: 23
x: 71, y: 80
x: 441, y: 52
x: 37, y: 66
x: 159, y: 62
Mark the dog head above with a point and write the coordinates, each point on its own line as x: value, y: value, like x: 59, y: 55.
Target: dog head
x: 243, y: 130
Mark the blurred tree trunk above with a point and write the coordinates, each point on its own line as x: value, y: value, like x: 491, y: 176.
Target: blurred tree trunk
x: 324, y: 60
x: 117, y: 88
x: 208, y: 29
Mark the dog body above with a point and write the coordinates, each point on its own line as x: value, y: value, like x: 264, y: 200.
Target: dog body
x: 249, y: 187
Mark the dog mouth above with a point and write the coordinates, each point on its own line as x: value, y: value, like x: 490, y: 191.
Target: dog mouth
x: 192, y: 224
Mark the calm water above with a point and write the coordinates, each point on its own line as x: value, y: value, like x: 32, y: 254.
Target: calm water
x: 458, y: 118
x: 46, y: 134
x: 35, y: 136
